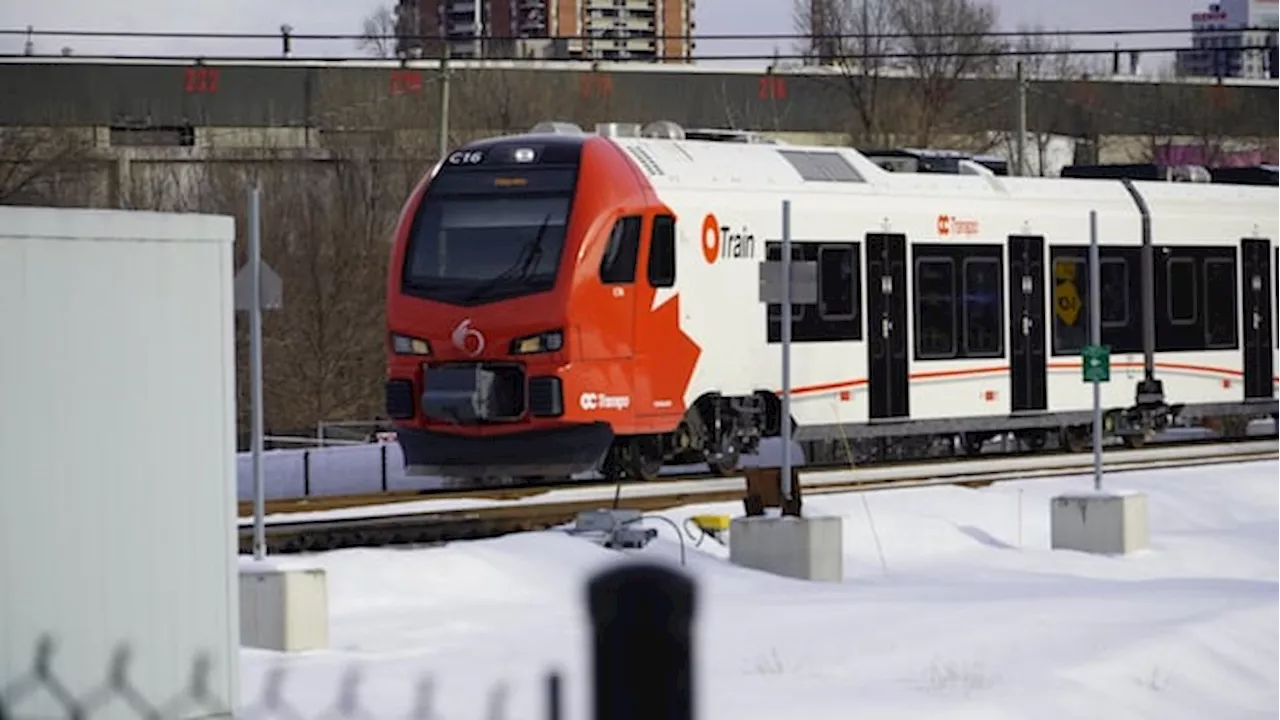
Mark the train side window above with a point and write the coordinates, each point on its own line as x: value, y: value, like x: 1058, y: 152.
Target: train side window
x: 1120, y: 291
x: 1114, y: 292
x: 1196, y: 286
x: 983, y: 301
x: 618, y: 266
x: 1070, y: 304
x: 837, y: 283
x: 662, y: 252
x: 935, y: 284
x: 1219, y: 303
x: 1180, y: 276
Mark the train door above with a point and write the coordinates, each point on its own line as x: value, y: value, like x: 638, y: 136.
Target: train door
x: 652, y: 394
x: 1026, y: 325
x: 613, y: 316
x: 1256, y: 289
x: 887, y: 326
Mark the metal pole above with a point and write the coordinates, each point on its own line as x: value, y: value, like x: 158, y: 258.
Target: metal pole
x: 255, y: 368
x: 1095, y: 338
x: 785, y: 477
x: 1021, y: 146
x: 444, y: 101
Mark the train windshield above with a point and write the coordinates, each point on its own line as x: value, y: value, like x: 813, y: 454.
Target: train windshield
x: 472, y: 248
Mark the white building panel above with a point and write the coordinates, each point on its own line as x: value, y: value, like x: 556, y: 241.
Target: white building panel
x: 117, y: 453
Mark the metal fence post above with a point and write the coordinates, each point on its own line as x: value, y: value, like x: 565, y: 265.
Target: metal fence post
x: 642, y: 617
x: 383, y: 448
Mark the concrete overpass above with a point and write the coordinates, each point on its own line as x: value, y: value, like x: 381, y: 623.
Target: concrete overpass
x: 330, y: 95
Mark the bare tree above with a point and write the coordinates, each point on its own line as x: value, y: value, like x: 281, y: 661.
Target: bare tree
x: 45, y: 166
x: 1044, y: 57
x: 948, y: 40
x: 379, y: 33
x: 850, y: 35
x: 940, y: 42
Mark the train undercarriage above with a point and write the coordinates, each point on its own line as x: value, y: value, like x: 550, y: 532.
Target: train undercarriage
x: 717, y: 431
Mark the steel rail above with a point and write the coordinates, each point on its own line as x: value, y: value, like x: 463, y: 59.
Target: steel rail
x: 437, y: 520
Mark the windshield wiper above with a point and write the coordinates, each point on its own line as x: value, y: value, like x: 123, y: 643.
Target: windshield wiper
x: 529, y: 255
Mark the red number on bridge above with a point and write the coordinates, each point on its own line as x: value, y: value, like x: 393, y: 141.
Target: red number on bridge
x: 405, y: 81
x: 201, y: 80
x: 772, y: 88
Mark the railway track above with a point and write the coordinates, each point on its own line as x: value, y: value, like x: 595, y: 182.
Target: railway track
x: 315, y: 503
x: 379, y: 520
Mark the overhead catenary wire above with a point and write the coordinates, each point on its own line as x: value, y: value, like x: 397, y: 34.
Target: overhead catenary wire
x: 772, y: 57
x: 197, y: 35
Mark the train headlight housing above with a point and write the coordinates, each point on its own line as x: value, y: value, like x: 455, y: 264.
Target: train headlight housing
x: 405, y: 345
x: 549, y: 341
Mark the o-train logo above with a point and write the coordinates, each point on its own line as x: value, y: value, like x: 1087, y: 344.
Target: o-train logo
x: 719, y: 242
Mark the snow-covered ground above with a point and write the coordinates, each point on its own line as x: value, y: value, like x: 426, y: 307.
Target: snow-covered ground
x: 953, y: 607
x: 356, y: 469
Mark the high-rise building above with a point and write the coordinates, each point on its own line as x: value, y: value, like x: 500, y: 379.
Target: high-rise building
x: 644, y: 30
x: 1233, y: 38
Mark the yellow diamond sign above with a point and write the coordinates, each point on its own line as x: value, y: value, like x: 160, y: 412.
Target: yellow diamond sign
x: 1066, y: 302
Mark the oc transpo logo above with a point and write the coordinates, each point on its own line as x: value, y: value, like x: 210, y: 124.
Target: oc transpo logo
x: 468, y: 339
x: 718, y: 241
x: 600, y: 401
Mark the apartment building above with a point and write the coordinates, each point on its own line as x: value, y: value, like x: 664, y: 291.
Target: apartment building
x: 640, y: 30
x: 1221, y: 34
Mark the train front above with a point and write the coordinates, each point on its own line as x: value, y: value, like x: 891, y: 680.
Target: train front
x: 480, y: 351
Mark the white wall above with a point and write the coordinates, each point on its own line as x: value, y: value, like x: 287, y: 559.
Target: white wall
x: 117, y: 454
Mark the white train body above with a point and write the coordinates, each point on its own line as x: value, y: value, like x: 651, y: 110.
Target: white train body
x: 743, y: 186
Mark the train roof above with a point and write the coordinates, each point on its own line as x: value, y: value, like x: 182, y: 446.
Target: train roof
x: 715, y: 159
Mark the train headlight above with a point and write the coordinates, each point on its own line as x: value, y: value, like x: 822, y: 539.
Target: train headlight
x: 549, y: 341
x: 405, y: 345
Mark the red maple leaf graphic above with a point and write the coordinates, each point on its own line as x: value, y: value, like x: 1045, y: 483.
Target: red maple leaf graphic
x: 666, y: 354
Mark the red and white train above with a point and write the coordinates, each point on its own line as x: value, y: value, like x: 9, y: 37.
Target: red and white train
x: 562, y: 301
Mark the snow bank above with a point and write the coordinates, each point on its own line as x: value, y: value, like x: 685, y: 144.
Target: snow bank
x: 954, y: 607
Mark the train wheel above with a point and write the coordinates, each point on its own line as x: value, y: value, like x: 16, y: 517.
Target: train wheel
x: 1135, y: 441
x: 646, y: 459
x: 972, y: 443
x: 724, y: 464
x: 1033, y: 439
x: 723, y: 461
x: 1235, y: 426
x: 1075, y: 439
x: 613, y: 468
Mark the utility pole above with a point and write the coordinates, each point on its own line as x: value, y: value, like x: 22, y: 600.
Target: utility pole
x: 257, y: 288
x: 1021, y: 146
x: 785, y: 329
x: 1098, y: 355
x: 255, y: 368
x: 444, y: 101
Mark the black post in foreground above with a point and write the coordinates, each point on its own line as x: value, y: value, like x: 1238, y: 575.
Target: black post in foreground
x: 642, y: 617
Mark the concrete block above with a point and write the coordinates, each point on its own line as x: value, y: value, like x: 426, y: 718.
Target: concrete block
x: 1109, y: 523
x: 283, y: 608
x: 808, y: 548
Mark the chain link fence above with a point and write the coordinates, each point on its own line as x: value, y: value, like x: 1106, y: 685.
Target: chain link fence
x: 641, y: 625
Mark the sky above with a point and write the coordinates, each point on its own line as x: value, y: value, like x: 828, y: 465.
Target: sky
x: 713, y: 17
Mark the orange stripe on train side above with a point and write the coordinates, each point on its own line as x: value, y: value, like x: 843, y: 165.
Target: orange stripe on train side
x: 943, y: 374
